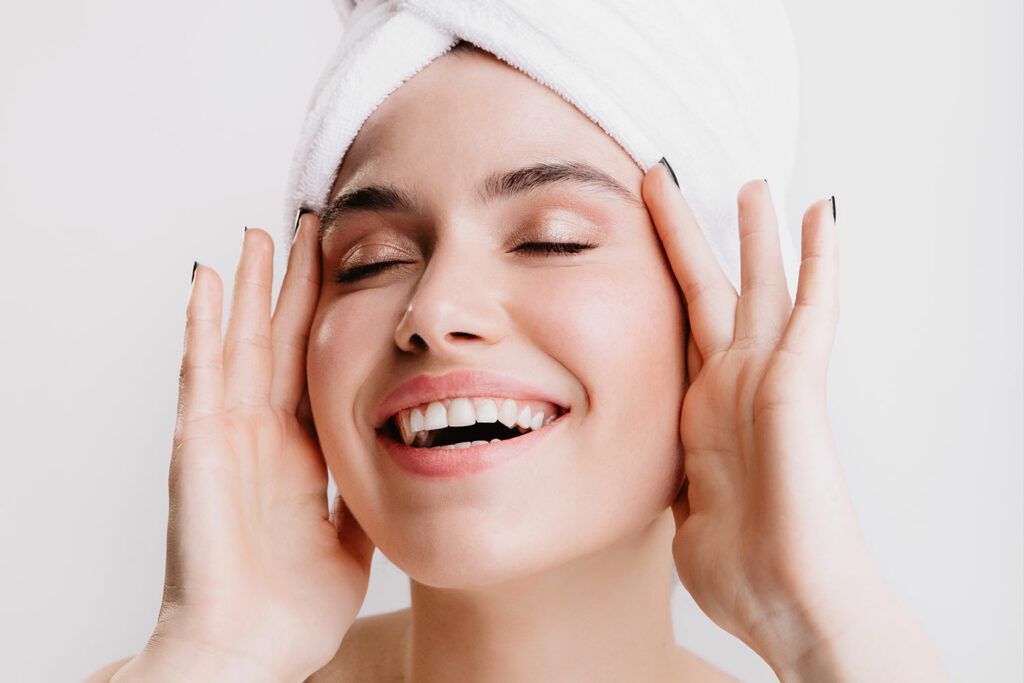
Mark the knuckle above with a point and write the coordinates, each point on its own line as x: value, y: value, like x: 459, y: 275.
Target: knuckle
x: 259, y: 340
x: 190, y: 367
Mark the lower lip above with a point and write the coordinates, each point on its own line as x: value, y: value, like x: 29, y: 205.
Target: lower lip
x: 458, y: 462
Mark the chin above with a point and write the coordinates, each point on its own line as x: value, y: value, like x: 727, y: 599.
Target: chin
x: 461, y: 550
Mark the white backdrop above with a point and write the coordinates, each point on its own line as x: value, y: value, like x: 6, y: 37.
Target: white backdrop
x: 136, y: 137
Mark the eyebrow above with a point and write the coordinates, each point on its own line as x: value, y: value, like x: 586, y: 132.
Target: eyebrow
x: 384, y: 198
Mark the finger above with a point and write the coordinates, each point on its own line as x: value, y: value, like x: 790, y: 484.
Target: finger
x: 201, y: 378
x: 294, y: 314
x: 764, y: 295
x: 247, y: 352
x: 710, y: 297
x: 812, y: 324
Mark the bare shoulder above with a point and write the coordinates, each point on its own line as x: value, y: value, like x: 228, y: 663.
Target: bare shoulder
x: 368, y: 652
x: 694, y: 668
x: 107, y: 672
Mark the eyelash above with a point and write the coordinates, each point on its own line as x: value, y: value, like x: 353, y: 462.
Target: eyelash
x: 361, y: 272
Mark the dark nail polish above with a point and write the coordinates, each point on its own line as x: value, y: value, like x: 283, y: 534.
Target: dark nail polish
x: 664, y: 162
x: 298, y: 217
x: 833, y: 200
x: 194, y: 265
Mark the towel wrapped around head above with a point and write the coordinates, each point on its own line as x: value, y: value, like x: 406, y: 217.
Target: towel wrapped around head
x: 709, y: 84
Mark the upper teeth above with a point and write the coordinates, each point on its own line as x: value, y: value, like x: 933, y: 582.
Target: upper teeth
x: 464, y: 411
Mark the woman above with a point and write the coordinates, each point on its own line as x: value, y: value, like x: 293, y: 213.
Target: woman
x: 688, y: 421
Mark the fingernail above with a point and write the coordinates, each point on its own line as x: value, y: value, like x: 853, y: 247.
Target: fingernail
x: 765, y: 180
x: 833, y: 200
x: 245, y: 229
x: 194, y: 265
x: 663, y: 161
x: 298, y: 217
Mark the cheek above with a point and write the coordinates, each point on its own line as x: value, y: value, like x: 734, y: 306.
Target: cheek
x: 347, y: 340
x: 621, y: 325
x: 618, y: 328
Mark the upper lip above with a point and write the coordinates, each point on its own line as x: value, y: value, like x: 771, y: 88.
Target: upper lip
x: 426, y: 388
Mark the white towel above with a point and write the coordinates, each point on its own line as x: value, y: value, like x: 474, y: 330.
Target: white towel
x: 709, y: 84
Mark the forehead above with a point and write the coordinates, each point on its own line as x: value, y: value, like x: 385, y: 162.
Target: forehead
x: 462, y: 117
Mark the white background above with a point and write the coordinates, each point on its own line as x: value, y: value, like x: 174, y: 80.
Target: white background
x: 136, y: 137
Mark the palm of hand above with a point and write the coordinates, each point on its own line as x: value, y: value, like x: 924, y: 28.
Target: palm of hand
x: 764, y: 523
x: 256, y: 565
x: 259, y: 526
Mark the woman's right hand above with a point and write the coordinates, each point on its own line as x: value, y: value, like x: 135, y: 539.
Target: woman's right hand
x: 262, y: 581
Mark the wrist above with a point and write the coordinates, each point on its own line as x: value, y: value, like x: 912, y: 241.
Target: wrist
x: 864, y: 634
x: 169, y: 658
x: 811, y: 614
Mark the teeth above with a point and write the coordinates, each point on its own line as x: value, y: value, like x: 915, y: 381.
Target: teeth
x: 486, y: 410
x: 524, y: 418
x: 507, y: 414
x: 416, y: 420
x: 436, y: 417
x: 418, y: 426
x: 460, y: 445
x: 405, y: 428
x: 461, y: 413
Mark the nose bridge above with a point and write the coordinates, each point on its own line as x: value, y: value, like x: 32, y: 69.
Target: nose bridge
x: 453, y: 302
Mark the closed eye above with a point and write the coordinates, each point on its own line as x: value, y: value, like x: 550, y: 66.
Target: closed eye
x: 554, y: 247
x: 364, y: 271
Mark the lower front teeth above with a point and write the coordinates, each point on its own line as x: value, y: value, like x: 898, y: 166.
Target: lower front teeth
x: 467, y: 444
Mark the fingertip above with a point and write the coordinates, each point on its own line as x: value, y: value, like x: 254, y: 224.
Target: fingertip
x: 752, y: 190
x: 659, y: 178
x: 819, y: 234
x: 206, y: 292
x: 260, y: 239
x: 819, y: 213
x: 307, y: 232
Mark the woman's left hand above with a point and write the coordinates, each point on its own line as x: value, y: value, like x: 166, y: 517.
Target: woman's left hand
x: 767, y: 541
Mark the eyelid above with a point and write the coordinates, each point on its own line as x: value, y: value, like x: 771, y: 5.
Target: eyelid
x: 388, y: 251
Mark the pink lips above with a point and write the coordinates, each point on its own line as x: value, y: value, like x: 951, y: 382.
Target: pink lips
x: 441, y: 462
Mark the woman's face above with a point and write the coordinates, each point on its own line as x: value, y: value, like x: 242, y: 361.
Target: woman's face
x: 600, y: 330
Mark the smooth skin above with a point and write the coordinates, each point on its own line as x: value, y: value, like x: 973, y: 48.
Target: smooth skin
x: 766, y: 541
x: 262, y: 580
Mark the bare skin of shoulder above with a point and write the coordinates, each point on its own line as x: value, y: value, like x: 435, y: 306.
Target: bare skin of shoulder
x: 370, y: 653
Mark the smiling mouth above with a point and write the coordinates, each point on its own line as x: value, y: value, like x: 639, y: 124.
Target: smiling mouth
x: 478, y: 434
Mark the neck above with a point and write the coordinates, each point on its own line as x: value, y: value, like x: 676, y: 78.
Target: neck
x: 605, y: 616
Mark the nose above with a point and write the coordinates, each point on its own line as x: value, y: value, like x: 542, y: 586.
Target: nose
x: 455, y: 303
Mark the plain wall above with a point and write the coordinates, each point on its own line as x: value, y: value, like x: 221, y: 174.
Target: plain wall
x: 136, y: 137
